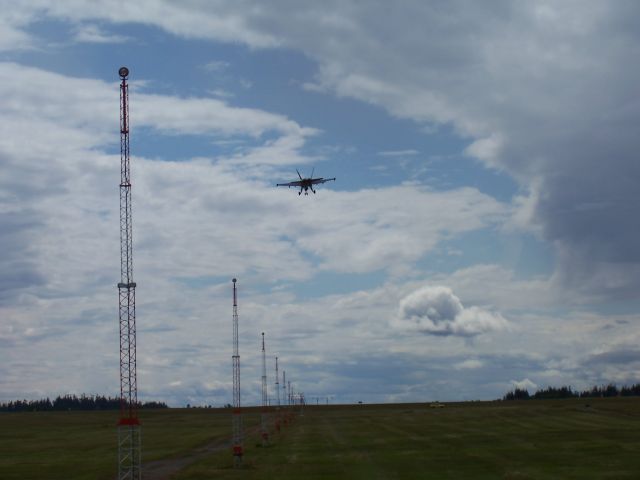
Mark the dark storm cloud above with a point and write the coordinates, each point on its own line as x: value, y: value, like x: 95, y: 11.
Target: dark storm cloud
x: 385, y: 376
x: 586, y: 206
x: 614, y: 357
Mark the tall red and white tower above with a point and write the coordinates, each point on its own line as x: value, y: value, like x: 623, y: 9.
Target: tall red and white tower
x: 237, y: 414
x: 129, y: 447
x: 264, y: 428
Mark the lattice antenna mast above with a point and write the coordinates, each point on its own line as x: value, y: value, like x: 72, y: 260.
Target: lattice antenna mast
x: 284, y: 387
x: 265, y: 398
x: 129, y: 449
x: 277, y: 420
x: 237, y: 414
x: 277, y: 385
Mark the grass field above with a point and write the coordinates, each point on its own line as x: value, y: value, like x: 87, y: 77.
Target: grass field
x: 561, y: 439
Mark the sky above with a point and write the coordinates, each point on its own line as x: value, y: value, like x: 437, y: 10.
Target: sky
x: 481, y: 234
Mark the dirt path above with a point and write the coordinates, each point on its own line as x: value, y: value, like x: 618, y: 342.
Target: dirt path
x: 165, y: 468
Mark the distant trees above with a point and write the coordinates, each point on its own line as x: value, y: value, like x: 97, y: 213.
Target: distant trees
x: 551, y: 392
x: 610, y: 390
x: 633, y: 390
x: 71, y: 402
x: 517, y: 394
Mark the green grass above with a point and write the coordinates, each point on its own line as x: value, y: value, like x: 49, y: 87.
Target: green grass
x: 83, y: 445
x: 515, y: 440
x: 561, y: 439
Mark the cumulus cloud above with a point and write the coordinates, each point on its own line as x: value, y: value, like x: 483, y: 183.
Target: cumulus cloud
x: 525, y: 384
x: 435, y: 310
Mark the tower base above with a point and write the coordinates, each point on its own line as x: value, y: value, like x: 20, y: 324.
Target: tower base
x: 129, y: 451
x: 237, y: 456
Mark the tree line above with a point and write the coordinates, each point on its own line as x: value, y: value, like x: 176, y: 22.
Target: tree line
x: 610, y: 390
x: 71, y: 402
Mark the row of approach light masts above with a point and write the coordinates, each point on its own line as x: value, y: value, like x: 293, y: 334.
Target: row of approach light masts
x: 287, y: 393
x: 129, y: 435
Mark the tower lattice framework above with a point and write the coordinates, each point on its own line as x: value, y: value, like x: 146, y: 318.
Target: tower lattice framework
x: 129, y: 444
x: 277, y: 385
x: 278, y: 412
x: 285, y: 419
x: 264, y: 428
x: 284, y: 387
x: 237, y: 414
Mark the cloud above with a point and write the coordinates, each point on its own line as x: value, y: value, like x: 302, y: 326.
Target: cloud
x: 618, y: 356
x: 41, y: 96
x: 398, y: 153
x: 526, y: 89
x: 525, y: 384
x: 382, y: 229
x: 470, y: 364
x: 499, y: 285
x: 617, y: 362
x: 94, y: 34
x: 12, y: 24
x: 216, y: 66
x: 542, y: 91
x: 55, y: 180
x: 521, y: 85
x: 18, y: 268
x: 435, y: 310
x: 193, y: 116
x: 197, y: 223
x: 486, y: 149
x: 389, y: 228
x: 199, y: 19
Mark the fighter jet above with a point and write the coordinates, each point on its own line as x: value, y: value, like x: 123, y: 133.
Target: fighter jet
x: 305, y: 183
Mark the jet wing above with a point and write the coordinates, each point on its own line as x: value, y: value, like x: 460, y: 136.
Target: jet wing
x: 290, y: 184
x: 315, y: 181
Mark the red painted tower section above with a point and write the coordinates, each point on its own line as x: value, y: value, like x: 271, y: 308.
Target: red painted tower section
x: 129, y: 448
x: 237, y: 414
